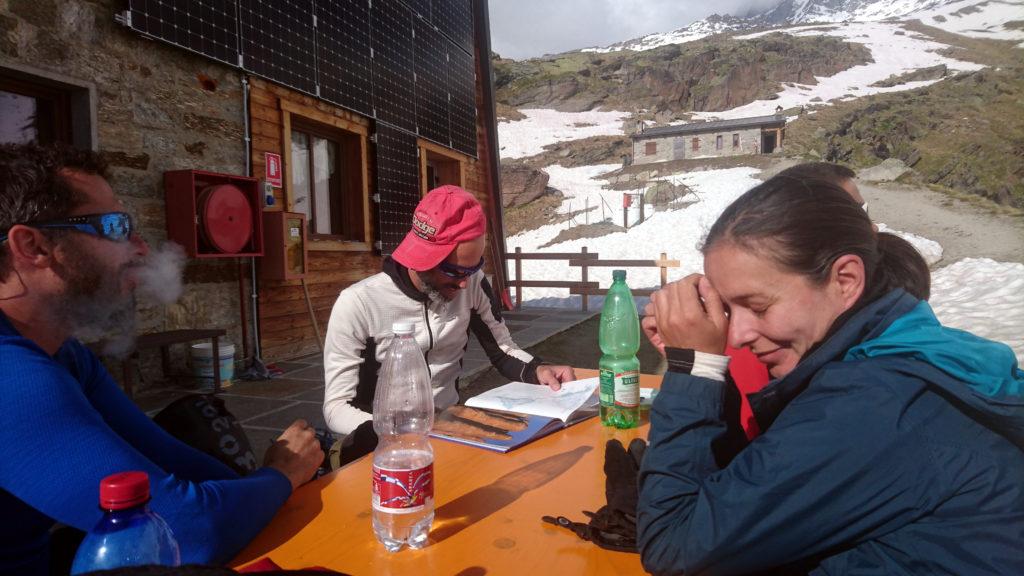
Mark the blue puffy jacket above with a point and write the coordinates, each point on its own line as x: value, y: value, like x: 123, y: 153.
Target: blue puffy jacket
x: 896, y: 447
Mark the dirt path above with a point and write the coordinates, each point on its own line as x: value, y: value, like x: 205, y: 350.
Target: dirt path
x: 963, y: 229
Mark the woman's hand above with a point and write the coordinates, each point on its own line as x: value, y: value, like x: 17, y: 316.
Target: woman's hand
x: 689, y: 314
x: 650, y: 327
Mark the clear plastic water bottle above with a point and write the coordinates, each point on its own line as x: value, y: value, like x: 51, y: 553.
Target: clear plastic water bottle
x: 129, y: 534
x: 619, y: 338
x: 403, y: 463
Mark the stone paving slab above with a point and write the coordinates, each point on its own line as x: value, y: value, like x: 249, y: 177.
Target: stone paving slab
x: 282, y: 417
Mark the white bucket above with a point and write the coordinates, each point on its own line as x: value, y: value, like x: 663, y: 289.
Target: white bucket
x: 202, y: 363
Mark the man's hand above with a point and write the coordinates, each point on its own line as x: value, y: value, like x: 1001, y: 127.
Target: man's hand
x: 296, y: 453
x: 689, y: 314
x: 553, y: 376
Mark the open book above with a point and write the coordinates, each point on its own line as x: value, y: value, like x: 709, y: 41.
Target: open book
x: 512, y: 415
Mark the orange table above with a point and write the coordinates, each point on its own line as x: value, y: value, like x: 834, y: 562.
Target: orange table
x: 487, y: 515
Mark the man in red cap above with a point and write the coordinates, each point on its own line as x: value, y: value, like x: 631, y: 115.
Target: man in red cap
x: 433, y: 280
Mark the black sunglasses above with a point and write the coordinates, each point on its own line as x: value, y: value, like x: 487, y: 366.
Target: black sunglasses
x: 116, y: 226
x: 457, y: 272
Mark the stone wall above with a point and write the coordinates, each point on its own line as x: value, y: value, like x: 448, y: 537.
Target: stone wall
x: 663, y: 150
x: 156, y: 108
x: 750, y: 143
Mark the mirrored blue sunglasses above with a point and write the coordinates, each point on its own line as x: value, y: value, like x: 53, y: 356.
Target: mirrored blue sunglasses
x: 457, y: 272
x: 116, y: 226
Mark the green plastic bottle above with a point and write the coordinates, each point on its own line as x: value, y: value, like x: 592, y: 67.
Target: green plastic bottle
x: 619, y: 338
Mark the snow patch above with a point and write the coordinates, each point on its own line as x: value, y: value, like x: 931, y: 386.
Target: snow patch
x: 677, y: 233
x: 930, y: 250
x: 986, y: 19
x: 542, y: 127
x: 983, y: 297
x: 893, y: 54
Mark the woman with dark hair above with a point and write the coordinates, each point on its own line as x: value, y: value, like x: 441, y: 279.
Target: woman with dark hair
x: 890, y: 444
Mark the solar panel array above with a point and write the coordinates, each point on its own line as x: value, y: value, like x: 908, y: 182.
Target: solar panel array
x: 278, y: 41
x: 432, y: 85
x: 407, y: 63
x: 343, y: 58
x: 209, y: 27
x: 393, y: 82
x: 398, y: 176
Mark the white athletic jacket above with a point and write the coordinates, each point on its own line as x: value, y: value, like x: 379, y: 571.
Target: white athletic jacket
x: 359, y: 333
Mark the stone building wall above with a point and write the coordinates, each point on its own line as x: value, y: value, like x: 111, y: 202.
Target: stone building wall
x: 750, y: 143
x: 680, y: 146
x: 663, y: 151
x: 155, y: 108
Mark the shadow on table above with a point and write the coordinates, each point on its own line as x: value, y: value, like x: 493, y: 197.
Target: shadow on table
x: 474, y: 506
x: 296, y: 514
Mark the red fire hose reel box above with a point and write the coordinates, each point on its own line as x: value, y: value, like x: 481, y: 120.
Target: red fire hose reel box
x: 214, y: 215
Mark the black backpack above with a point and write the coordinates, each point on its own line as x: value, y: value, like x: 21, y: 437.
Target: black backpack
x: 204, y: 423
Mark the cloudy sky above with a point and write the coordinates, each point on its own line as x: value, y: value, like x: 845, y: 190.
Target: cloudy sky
x: 527, y: 28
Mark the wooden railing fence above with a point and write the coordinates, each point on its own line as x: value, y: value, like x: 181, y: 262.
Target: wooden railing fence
x: 585, y: 260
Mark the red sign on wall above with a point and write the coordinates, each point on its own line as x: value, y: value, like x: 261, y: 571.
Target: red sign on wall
x: 274, y: 172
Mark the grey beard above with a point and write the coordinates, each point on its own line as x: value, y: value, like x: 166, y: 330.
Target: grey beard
x: 104, y: 319
x: 434, y: 295
x: 108, y: 318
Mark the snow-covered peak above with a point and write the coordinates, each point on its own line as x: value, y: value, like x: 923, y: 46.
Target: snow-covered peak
x: 979, y: 18
x: 805, y: 11
x: 709, y: 26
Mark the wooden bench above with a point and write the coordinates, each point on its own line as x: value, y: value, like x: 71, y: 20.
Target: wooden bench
x: 163, y: 341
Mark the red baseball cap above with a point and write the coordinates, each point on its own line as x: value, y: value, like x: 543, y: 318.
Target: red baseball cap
x: 444, y: 218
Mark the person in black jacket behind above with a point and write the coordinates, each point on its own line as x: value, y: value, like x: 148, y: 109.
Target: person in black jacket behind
x: 890, y: 444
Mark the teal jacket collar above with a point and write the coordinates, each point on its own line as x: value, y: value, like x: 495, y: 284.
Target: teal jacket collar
x: 980, y: 375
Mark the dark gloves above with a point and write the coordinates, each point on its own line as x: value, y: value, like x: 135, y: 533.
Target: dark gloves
x: 621, y: 469
x: 613, y: 526
x: 357, y: 444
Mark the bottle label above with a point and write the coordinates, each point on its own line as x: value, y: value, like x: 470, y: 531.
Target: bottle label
x: 607, y: 391
x: 403, y: 491
x: 621, y: 389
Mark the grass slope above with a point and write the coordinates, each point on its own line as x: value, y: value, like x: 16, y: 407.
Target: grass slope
x: 964, y: 133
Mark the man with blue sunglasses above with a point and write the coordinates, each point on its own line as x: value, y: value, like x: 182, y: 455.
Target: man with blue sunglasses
x: 434, y: 281
x: 69, y: 261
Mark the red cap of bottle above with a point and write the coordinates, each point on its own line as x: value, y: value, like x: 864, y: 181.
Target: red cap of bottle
x: 124, y: 490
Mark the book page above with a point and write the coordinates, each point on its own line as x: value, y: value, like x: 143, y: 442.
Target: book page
x: 538, y: 399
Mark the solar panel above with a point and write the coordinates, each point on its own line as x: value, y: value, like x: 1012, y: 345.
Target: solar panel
x: 455, y: 19
x: 432, y: 83
x: 462, y: 85
x: 343, y: 55
x: 397, y: 184
x: 392, y: 64
x: 408, y: 64
x: 209, y: 27
x: 278, y: 41
x: 421, y: 7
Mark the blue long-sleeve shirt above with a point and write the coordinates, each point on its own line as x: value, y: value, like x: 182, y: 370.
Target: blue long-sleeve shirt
x: 65, y: 425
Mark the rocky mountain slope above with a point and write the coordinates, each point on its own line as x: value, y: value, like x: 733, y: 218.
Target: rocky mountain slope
x: 937, y: 85
x: 712, y: 74
x: 965, y: 133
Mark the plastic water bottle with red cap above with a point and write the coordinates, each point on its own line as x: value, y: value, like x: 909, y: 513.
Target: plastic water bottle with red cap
x: 129, y: 534
x: 403, y: 463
